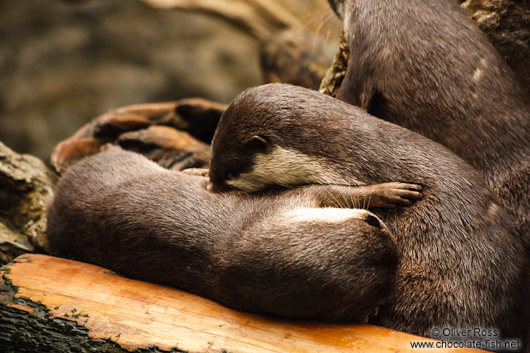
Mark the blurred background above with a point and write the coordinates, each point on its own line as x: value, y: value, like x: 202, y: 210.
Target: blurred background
x: 64, y: 62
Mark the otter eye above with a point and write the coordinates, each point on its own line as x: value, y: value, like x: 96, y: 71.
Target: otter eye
x: 229, y: 176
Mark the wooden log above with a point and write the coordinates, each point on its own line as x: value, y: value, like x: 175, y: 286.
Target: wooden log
x: 48, y: 304
x: 151, y: 129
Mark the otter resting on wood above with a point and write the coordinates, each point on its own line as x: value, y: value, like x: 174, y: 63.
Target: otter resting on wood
x: 285, y: 252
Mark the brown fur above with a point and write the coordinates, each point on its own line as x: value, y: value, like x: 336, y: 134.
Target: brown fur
x: 461, y: 265
x: 119, y: 210
x: 425, y: 65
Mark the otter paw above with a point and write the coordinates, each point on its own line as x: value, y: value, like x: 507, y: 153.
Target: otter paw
x: 394, y: 194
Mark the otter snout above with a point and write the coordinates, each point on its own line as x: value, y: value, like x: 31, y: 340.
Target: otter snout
x: 369, y: 218
x: 373, y: 221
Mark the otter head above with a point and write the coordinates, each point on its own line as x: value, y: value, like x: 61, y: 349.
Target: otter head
x: 266, y: 138
x: 234, y: 161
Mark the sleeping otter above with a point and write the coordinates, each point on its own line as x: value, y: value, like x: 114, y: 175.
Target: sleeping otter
x: 284, y: 253
x: 460, y: 262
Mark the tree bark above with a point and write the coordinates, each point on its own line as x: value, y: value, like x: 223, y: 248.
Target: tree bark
x: 333, y: 79
x: 26, y: 187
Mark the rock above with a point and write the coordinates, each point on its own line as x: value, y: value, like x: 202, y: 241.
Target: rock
x: 26, y: 187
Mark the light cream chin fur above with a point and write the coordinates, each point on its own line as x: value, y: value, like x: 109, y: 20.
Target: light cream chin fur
x: 286, y: 167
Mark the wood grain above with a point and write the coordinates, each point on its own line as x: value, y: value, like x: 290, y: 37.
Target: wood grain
x: 139, y: 315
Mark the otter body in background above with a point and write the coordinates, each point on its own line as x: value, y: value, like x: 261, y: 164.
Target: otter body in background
x: 460, y: 264
x: 277, y: 253
x: 424, y: 65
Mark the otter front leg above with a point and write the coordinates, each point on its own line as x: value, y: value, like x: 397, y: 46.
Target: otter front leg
x: 386, y: 195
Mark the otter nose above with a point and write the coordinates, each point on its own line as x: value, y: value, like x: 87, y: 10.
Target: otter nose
x: 373, y: 221
x: 368, y: 217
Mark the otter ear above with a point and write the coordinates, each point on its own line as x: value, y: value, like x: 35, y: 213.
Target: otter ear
x: 258, y: 144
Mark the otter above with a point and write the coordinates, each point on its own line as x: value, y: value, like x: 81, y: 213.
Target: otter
x: 283, y: 252
x: 426, y: 66
x: 460, y: 262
